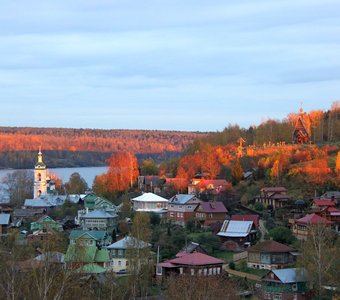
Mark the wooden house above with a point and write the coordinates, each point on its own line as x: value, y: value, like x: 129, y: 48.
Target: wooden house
x: 270, y: 255
x: 182, y: 208
x: 237, y: 235
x: 190, y: 264
x: 300, y: 226
x: 210, y: 212
x: 275, y: 197
x: 285, y: 284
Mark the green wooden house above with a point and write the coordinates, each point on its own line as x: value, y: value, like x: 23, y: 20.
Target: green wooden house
x: 83, y: 250
x: 46, y: 223
x: 286, y: 284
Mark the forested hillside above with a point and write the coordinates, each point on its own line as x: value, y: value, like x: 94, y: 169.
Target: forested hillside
x: 87, y: 147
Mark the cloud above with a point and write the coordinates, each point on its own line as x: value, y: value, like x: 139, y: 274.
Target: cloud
x: 171, y: 64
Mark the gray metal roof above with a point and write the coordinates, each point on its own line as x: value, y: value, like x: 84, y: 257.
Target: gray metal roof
x: 128, y: 242
x: 291, y: 275
x: 232, y: 228
x: 98, y: 214
x: 4, y: 219
x: 181, y: 198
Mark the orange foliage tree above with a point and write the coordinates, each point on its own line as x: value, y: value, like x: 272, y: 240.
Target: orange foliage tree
x: 315, y: 117
x: 123, y: 171
x: 337, y: 164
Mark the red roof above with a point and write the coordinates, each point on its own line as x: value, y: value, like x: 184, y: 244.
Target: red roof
x: 324, y: 202
x: 254, y: 218
x: 313, y: 219
x: 270, y: 246
x: 213, y: 207
x: 195, y: 259
x: 332, y: 209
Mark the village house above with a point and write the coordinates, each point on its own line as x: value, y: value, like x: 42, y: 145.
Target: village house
x: 237, y: 235
x: 207, y: 213
x: 118, y: 252
x: 44, y: 223
x: 101, y: 237
x: 331, y: 214
x: 254, y: 218
x: 22, y: 215
x: 299, y: 227
x: 148, y: 183
x: 99, y: 220
x: 270, y: 255
x: 93, y: 202
x: 333, y: 195
x: 195, y: 263
x: 40, y: 236
x: 150, y: 202
x: 192, y: 247
x: 275, y: 197
x: 85, y: 255
x: 212, y: 186
x: 5, y: 222
x: 320, y: 204
x: 285, y: 284
x: 182, y: 208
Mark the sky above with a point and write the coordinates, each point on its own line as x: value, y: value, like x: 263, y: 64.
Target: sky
x: 190, y: 65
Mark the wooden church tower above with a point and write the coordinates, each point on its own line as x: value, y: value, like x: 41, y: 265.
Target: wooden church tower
x: 301, y: 133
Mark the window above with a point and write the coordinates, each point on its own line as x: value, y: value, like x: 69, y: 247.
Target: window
x: 119, y: 263
x: 192, y: 272
x: 159, y: 270
x: 112, y: 263
x: 171, y: 214
x: 294, y: 287
x: 127, y: 263
x: 277, y: 297
x: 120, y: 252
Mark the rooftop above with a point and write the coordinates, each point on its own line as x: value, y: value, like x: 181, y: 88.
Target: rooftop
x: 270, y: 247
x: 150, y: 197
x: 195, y: 259
x: 4, y: 219
x: 128, y: 242
x: 291, y: 275
x: 181, y: 198
x: 232, y: 228
x: 213, y: 207
x: 313, y: 219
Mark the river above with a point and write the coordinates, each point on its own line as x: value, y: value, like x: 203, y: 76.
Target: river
x: 88, y: 173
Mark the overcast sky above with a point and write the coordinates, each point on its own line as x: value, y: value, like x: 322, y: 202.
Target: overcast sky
x: 165, y: 64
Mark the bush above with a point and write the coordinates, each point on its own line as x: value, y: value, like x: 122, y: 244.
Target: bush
x: 232, y: 265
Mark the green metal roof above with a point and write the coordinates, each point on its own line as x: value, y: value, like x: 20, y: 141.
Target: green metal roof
x: 91, y: 269
x: 77, y: 253
x: 102, y: 256
x: 40, y: 165
x: 96, y: 234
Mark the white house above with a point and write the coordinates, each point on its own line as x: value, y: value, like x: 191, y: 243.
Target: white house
x: 150, y: 202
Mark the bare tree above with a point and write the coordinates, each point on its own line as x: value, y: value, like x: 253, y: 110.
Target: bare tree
x: 18, y: 185
x: 320, y: 256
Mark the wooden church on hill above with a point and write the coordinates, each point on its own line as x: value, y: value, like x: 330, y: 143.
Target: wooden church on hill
x: 301, y: 133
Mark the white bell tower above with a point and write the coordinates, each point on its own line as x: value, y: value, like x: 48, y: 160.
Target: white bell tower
x: 40, y: 176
